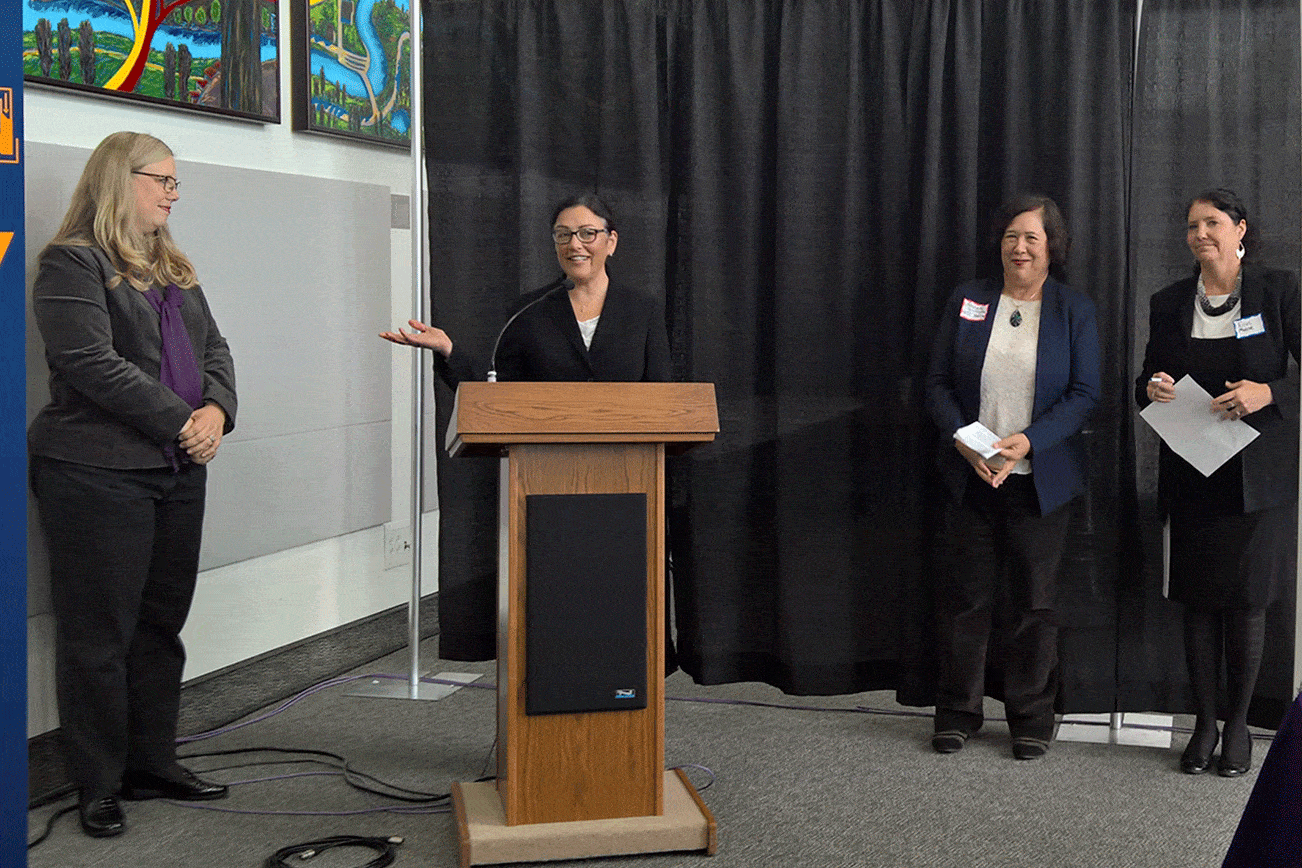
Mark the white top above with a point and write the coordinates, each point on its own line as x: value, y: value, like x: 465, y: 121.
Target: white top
x: 1219, y: 326
x: 587, y: 328
x: 1008, y: 374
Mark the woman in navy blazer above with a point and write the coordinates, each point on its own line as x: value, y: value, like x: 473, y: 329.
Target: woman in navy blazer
x: 1231, y: 326
x: 580, y: 327
x: 1021, y: 356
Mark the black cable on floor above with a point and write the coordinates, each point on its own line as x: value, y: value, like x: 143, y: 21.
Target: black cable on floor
x: 49, y: 825
x: 386, y: 850
x: 351, y: 775
x: 58, y: 794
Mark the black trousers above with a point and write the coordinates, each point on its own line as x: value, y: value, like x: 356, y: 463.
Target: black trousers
x: 124, y: 556
x: 997, y: 600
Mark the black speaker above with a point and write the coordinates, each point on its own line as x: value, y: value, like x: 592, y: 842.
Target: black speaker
x: 585, y: 602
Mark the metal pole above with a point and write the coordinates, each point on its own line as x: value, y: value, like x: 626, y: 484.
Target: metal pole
x: 420, y: 303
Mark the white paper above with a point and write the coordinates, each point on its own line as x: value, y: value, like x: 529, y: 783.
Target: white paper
x: 1194, y: 432
x: 979, y: 439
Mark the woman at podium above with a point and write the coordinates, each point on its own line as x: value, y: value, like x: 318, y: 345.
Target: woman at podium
x: 580, y: 327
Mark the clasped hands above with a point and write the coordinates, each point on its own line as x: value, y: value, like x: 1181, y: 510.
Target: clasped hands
x: 1012, y: 449
x: 1244, y: 397
x: 202, y: 433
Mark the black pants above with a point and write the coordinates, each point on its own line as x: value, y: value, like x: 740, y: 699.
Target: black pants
x: 998, y: 600
x: 124, y: 556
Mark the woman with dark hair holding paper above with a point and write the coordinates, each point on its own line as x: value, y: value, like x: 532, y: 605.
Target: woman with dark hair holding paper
x: 1019, y: 355
x: 1231, y: 327
x: 580, y: 327
x: 142, y: 389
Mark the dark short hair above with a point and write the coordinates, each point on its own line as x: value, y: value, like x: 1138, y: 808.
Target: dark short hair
x: 592, y: 202
x: 1225, y: 199
x: 1055, y: 228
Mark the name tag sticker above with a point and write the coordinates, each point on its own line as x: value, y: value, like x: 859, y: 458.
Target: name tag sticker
x: 973, y: 312
x: 1249, y: 326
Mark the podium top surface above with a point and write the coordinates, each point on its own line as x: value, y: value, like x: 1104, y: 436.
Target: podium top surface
x: 489, y: 417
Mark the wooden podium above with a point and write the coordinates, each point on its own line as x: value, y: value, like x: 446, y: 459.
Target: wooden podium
x: 578, y: 785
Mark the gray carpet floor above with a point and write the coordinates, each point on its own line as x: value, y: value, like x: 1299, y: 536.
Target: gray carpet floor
x: 829, y: 784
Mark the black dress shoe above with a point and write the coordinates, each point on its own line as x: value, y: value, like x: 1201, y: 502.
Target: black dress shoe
x: 1197, y: 756
x: 1026, y: 748
x: 179, y: 784
x: 102, y: 818
x: 1236, y: 756
x: 949, y: 741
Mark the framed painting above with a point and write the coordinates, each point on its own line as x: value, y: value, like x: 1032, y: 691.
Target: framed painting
x: 352, y: 69
x: 219, y: 56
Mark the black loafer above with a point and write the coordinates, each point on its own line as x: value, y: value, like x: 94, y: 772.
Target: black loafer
x: 1195, y: 765
x: 1236, y: 752
x: 1026, y: 748
x: 102, y: 818
x: 949, y: 741
x: 1231, y: 766
x: 179, y: 784
x: 1197, y: 756
x: 1232, y: 770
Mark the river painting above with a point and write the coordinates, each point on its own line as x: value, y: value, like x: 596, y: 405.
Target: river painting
x: 352, y: 69
x: 218, y: 56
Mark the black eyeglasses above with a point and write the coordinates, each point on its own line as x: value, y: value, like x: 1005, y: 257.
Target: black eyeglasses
x: 169, y: 183
x: 587, y: 234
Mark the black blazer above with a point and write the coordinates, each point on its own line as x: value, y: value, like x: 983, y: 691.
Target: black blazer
x: 1270, y: 462
x: 108, y: 407
x: 543, y: 342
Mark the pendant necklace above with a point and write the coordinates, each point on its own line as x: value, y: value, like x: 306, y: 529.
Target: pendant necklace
x: 1016, y: 319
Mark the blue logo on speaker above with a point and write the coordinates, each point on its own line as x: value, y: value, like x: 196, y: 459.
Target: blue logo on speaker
x: 625, y: 693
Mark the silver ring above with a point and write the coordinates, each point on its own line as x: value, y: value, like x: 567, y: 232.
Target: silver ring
x: 209, y: 439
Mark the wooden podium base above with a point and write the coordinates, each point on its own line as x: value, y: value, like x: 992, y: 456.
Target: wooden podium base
x: 486, y: 839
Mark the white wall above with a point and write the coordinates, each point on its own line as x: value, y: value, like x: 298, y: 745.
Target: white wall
x: 248, y: 608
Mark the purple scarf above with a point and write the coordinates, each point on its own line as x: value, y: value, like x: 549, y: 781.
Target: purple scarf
x: 178, y: 370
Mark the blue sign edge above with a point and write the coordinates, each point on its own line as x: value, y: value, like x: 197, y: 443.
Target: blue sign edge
x: 13, y: 461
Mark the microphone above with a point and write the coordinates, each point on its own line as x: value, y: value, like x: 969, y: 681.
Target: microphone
x: 562, y: 282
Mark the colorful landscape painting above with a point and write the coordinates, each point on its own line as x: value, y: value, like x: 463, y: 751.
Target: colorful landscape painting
x: 208, y: 55
x: 353, y: 68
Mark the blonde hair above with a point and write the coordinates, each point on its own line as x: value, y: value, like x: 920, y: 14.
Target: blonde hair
x: 103, y: 211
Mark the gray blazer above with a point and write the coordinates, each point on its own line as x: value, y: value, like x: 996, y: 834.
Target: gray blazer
x: 103, y: 346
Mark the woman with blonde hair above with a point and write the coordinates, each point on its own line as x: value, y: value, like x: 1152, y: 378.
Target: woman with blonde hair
x: 142, y: 389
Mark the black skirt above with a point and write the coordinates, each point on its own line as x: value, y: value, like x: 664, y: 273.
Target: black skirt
x: 1230, y: 561
x: 1222, y: 557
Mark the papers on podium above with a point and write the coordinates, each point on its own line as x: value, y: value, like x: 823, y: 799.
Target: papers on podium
x: 1194, y: 432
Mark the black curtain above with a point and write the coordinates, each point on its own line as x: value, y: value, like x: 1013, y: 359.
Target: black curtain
x: 1225, y: 114
x: 788, y: 146
x: 1035, y: 96
x: 805, y: 182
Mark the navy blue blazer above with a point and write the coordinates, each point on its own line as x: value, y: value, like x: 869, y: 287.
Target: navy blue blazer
x: 1067, y: 386
x: 1270, y: 462
x: 543, y: 343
